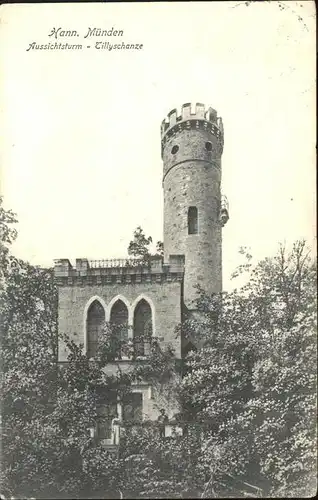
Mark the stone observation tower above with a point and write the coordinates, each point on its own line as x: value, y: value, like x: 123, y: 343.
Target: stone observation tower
x: 194, y: 210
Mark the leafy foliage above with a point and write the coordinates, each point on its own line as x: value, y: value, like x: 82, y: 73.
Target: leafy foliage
x: 139, y: 246
x: 8, y: 234
x: 247, y: 395
x: 253, y: 382
x: 159, y: 365
x: 160, y: 468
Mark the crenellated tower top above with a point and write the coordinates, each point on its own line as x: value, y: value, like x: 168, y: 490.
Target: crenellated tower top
x: 194, y: 210
x: 192, y: 117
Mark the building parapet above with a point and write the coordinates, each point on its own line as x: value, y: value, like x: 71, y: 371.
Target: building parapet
x: 103, y: 272
x: 200, y: 118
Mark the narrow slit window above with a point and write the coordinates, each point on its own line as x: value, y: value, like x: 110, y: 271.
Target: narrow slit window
x: 193, y: 220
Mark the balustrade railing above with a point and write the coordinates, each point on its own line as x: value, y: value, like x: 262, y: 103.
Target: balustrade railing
x: 104, y: 428
x: 115, y: 263
x: 125, y: 350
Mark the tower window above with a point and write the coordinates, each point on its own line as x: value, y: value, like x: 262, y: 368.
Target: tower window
x: 193, y: 220
x: 174, y: 149
x: 208, y: 146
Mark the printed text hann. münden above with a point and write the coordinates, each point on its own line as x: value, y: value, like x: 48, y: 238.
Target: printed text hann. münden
x: 65, y: 33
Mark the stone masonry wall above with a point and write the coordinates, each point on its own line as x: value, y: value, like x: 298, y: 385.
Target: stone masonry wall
x: 165, y: 297
x: 166, y: 300
x: 192, y: 177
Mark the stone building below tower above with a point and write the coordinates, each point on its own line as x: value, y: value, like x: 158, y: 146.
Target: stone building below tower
x: 151, y: 299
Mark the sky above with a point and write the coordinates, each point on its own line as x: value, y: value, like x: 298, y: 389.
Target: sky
x: 80, y: 148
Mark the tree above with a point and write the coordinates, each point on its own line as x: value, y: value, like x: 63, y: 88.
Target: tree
x: 159, y: 249
x: 8, y: 235
x: 253, y: 383
x: 48, y: 452
x: 47, y: 412
x: 247, y: 395
x: 139, y: 246
x: 28, y: 354
x: 284, y: 379
x: 156, y: 467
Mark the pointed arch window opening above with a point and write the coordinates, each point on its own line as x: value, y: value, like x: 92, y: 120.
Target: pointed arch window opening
x: 193, y: 220
x: 143, y: 328
x: 94, y: 326
x: 119, y: 320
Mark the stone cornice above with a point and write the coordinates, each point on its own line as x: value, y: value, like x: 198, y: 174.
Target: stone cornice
x: 118, y: 278
x: 194, y: 123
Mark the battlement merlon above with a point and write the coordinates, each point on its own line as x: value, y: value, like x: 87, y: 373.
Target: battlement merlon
x: 62, y: 267
x: 200, y: 114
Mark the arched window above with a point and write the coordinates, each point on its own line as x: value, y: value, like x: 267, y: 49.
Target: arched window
x: 193, y: 220
x: 119, y: 318
x: 142, y: 328
x: 94, y: 326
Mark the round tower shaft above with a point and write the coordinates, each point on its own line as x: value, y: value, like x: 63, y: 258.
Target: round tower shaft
x: 192, y: 146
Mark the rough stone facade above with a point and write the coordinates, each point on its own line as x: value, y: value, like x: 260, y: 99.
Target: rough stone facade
x: 164, y: 299
x: 194, y: 213
x: 191, y: 152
